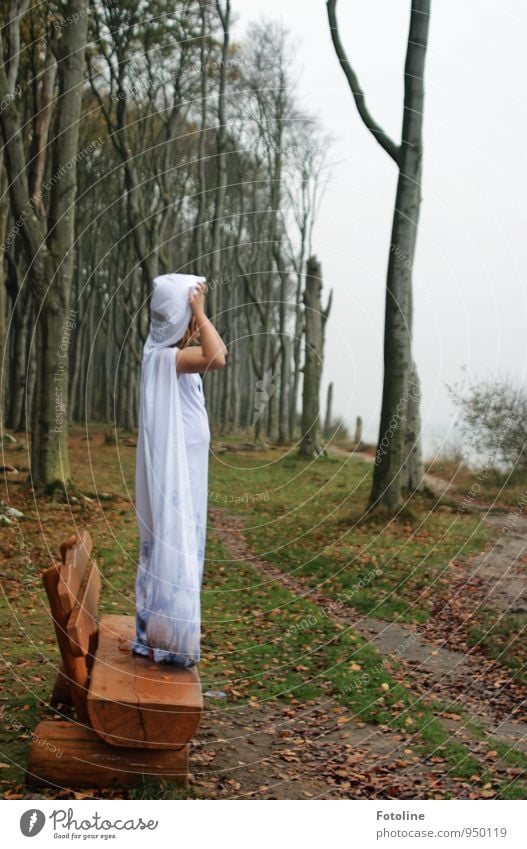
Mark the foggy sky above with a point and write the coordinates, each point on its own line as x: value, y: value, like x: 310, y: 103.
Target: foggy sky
x: 469, y: 292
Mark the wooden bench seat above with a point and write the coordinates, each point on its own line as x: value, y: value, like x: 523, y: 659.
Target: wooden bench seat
x: 134, y: 702
x: 130, y: 711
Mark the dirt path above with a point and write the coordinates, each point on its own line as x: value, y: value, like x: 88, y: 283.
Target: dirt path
x: 311, y: 751
x: 318, y: 750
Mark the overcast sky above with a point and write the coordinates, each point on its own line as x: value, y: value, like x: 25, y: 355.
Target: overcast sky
x: 470, y: 299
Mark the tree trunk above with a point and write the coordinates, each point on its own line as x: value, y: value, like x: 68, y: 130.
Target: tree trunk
x: 285, y: 388
x: 221, y: 143
x: 199, y: 233
x: 4, y: 363
x: 49, y: 451
x: 413, y: 468
x: 20, y: 321
x: 297, y: 354
x: 263, y: 388
x: 313, y: 355
x: 329, y: 412
x: 358, y: 430
x: 49, y: 433
x: 49, y: 248
x: 388, y: 478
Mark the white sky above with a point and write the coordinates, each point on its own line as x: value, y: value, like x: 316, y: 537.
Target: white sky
x: 470, y: 299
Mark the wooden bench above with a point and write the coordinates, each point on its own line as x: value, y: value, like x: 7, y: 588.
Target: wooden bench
x: 134, y: 718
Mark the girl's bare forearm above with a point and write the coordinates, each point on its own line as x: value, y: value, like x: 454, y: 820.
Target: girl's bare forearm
x: 211, y: 342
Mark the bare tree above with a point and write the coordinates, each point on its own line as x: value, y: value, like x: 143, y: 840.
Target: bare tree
x: 270, y: 110
x: 398, y: 461
x: 307, y: 174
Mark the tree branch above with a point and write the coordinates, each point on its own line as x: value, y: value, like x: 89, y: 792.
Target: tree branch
x: 358, y: 95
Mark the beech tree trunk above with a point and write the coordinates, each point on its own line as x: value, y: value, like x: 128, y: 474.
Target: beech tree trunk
x: 389, y: 470
x: 413, y: 468
x: 221, y: 144
x: 4, y: 364
x: 315, y: 318
x: 49, y: 247
x: 329, y: 411
x: 391, y: 466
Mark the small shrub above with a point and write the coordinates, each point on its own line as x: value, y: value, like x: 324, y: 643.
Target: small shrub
x: 493, y: 414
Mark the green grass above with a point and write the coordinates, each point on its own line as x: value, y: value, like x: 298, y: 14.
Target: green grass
x: 264, y: 643
x: 308, y: 518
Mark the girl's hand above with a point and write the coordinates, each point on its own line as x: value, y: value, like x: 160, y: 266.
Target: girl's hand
x: 196, y: 300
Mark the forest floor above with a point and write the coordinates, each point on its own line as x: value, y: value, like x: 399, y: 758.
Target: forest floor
x: 346, y: 654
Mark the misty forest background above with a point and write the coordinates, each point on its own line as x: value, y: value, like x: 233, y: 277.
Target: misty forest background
x: 192, y: 155
x: 141, y: 138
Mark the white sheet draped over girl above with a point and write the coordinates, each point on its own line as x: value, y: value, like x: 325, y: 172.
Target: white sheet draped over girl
x: 171, y: 485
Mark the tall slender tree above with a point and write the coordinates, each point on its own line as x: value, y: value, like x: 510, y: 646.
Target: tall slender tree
x: 48, y: 233
x: 398, y: 462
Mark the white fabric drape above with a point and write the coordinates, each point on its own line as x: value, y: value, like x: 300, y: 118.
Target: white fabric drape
x: 170, y: 567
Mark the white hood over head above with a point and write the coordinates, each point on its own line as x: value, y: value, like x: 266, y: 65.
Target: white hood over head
x: 170, y: 311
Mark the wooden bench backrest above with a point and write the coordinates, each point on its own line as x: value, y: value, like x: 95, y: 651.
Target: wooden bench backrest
x: 75, y: 554
x: 73, y: 589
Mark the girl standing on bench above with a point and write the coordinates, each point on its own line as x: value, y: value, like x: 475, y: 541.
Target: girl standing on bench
x: 172, y: 470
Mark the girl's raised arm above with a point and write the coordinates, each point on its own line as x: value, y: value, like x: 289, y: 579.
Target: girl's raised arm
x: 208, y: 356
